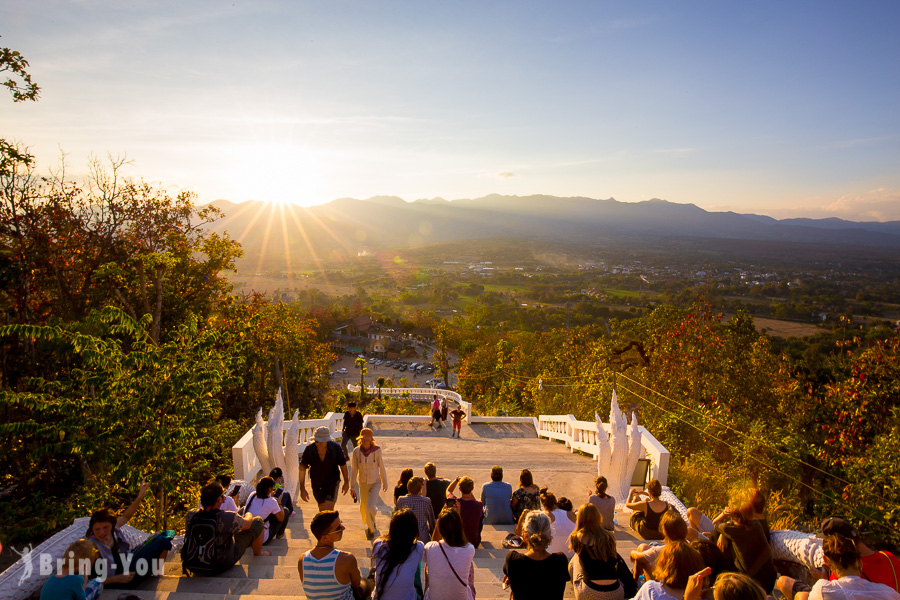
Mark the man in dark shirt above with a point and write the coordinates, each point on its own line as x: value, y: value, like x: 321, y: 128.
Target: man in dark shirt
x: 353, y: 424
x: 435, y: 488
x: 326, y: 464
x: 234, y: 534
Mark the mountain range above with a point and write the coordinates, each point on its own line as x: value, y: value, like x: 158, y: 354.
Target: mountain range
x: 347, y: 226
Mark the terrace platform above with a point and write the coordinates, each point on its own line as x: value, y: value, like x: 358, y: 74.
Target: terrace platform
x: 514, y: 446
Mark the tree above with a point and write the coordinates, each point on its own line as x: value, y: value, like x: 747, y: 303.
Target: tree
x: 124, y: 407
x: 441, y: 357
x: 380, y: 383
x: 21, y: 87
x: 361, y: 365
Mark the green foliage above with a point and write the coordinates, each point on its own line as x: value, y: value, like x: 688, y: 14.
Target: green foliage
x: 127, y: 408
x: 21, y: 87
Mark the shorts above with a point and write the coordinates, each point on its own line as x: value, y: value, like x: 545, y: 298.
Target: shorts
x: 327, y: 492
x: 457, y: 425
x: 799, y: 586
x: 244, y: 539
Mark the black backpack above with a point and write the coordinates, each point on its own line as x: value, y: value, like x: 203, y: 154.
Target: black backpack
x: 198, y: 555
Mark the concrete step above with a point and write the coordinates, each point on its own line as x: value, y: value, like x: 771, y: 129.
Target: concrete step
x: 276, y: 578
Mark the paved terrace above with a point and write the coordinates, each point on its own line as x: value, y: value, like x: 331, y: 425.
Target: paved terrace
x: 405, y: 444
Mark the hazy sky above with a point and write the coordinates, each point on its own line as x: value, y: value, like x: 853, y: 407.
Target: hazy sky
x: 782, y: 108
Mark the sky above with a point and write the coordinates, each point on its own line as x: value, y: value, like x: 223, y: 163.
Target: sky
x: 779, y: 108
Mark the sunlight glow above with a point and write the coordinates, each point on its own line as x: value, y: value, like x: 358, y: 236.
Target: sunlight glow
x: 279, y: 172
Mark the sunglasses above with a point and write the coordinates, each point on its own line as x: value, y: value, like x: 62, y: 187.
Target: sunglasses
x: 339, y: 529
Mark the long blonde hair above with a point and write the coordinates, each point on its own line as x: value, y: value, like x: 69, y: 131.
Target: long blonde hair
x: 590, y: 536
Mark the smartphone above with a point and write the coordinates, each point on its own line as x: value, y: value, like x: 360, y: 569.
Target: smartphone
x: 236, y: 490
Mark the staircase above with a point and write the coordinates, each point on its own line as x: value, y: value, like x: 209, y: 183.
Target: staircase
x: 513, y: 446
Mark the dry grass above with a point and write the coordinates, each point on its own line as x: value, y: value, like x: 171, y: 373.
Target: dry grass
x: 785, y: 329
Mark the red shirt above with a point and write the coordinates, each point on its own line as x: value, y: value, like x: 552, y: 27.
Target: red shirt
x: 881, y: 567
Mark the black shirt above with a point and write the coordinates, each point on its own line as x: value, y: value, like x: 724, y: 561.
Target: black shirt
x: 537, y: 579
x: 353, y: 424
x: 598, y: 569
x: 436, y: 490
x: 752, y: 554
x: 327, y: 472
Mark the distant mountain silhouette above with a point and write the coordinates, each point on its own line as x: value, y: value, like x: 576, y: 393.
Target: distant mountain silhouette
x: 346, y: 226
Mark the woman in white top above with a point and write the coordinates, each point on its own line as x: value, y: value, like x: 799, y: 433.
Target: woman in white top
x: 367, y: 465
x: 263, y: 505
x: 449, y: 563
x: 562, y: 524
x: 842, y: 557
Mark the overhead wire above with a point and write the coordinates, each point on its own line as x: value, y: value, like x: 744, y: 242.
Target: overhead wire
x: 526, y: 379
x: 738, y: 431
x: 748, y: 455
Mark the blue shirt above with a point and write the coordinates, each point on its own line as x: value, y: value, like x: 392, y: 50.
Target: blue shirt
x: 496, y: 496
x: 70, y: 587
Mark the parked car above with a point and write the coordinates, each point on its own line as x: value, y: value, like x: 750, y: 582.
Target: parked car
x: 388, y: 363
x: 402, y: 367
x: 342, y: 371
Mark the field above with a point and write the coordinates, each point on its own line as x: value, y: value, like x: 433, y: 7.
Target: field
x: 785, y: 328
x: 247, y: 284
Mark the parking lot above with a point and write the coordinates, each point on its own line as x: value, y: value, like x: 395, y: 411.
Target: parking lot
x: 374, y: 371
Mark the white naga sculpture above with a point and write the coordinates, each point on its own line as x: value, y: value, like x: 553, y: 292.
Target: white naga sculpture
x: 275, y: 447
x: 292, y: 457
x: 620, y: 448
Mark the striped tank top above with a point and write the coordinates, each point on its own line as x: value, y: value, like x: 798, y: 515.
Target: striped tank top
x: 319, y: 581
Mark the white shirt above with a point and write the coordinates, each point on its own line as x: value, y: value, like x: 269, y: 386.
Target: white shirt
x: 561, y: 528
x: 851, y: 587
x: 262, y: 509
x: 442, y: 583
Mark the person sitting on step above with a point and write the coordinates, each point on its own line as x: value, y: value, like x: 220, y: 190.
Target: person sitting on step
x: 262, y: 503
x: 326, y: 572
x: 648, y: 510
x: 420, y: 505
x: 673, y: 529
x: 216, y: 539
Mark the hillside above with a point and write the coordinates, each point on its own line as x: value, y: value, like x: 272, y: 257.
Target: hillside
x: 346, y: 227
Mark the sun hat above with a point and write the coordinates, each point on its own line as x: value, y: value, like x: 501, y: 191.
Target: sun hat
x: 323, y: 434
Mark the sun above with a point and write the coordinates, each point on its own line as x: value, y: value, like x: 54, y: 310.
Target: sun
x: 278, y: 173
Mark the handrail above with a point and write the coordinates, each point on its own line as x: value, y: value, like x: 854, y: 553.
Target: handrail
x: 577, y: 435
x: 581, y: 436
x: 418, y: 395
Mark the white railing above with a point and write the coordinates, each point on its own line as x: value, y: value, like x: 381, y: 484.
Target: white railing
x: 582, y: 436
x: 246, y: 463
x: 419, y: 395
x: 577, y: 435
